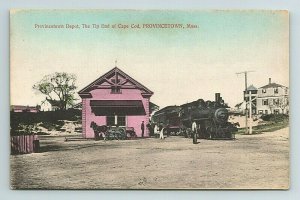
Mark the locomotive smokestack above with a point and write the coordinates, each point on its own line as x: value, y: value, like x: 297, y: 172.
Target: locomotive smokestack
x: 270, y: 81
x: 217, y: 97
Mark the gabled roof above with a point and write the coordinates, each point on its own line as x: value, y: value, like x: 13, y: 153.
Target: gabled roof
x: 112, y: 71
x: 252, y: 88
x: 239, y: 104
x: 272, y: 85
x: 153, y: 105
x: 54, y: 102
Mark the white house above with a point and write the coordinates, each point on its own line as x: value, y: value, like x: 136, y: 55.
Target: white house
x: 273, y: 98
x: 46, y: 106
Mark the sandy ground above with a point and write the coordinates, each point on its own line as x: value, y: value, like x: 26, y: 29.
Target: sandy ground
x: 249, y: 162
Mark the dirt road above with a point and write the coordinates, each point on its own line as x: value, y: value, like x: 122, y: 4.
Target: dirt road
x: 249, y: 162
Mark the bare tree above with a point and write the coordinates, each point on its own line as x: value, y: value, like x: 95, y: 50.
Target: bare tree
x: 58, y: 87
x: 283, y: 103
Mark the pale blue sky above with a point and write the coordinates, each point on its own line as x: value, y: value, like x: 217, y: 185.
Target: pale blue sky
x: 178, y: 65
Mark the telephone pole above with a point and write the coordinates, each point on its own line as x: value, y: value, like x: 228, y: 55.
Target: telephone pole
x: 250, y: 100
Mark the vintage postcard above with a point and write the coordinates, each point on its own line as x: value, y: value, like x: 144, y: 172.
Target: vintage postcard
x: 149, y: 99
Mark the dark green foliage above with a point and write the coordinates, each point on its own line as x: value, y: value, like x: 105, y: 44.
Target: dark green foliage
x: 21, y: 123
x: 59, y: 88
x: 24, y: 129
x: 273, y: 122
x: 275, y: 117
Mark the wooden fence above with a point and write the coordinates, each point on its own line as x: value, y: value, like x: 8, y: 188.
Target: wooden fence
x: 24, y: 144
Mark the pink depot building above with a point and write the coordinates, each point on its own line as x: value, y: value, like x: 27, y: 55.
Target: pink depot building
x: 115, y: 99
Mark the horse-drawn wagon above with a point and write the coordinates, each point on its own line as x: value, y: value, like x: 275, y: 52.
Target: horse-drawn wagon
x: 111, y: 133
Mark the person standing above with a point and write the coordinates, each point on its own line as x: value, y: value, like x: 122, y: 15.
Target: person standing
x: 156, y: 132
x: 194, y: 130
x: 161, y: 133
x: 143, y: 128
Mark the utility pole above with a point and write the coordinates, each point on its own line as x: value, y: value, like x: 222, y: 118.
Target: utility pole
x: 246, y: 109
x: 250, y: 112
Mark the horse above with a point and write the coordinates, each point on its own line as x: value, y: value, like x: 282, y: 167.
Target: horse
x: 99, y: 130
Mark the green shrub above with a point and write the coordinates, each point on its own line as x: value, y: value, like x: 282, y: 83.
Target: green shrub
x: 275, y: 117
x: 24, y: 129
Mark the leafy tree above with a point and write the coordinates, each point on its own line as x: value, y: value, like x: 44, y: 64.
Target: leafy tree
x: 59, y: 88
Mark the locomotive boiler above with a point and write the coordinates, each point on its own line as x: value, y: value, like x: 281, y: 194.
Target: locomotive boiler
x: 211, y: 118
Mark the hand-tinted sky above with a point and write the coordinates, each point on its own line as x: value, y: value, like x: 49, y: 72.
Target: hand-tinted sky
x: 178, y: 65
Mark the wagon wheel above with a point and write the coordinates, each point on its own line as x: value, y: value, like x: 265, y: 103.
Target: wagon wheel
x: 107, y: 135
x: 121, y: 134
x: 110, y: 135
x: 183, y: 132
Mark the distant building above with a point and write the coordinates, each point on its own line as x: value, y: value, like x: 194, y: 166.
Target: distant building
x: 55, y: 104
x: 78, y: 106
x: 20, y: 108
x: 46, y: 106
x: 273, y: 98
x: 152, y: 108
x: 239, y: 108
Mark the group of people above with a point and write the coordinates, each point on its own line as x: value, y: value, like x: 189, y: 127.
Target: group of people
x: 159, y: 130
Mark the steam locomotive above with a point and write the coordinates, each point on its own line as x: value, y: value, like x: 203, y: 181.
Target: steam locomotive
x: 211, y: 118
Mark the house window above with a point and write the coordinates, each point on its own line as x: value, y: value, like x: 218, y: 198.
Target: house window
x: 265, y: 102
x: 276, y: 90
x: 115, y: 120
x: 110, y: 120
x: 121, y: 121
x: 266, y: 112
x: 264, y: 91
x: 276, y: 111
x: 115, y: 89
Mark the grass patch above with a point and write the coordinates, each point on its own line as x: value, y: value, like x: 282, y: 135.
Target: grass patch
x: 269, y: 127
x: 273, y: 122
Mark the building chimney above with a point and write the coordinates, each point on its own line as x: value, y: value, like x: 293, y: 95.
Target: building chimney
x: 217, y: 97
x: 269, y: 80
